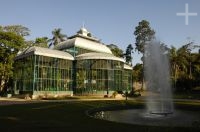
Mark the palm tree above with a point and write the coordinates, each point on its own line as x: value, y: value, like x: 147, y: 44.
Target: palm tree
x: 196, y: 69
x: 57, y: 37
x: 174, y: 64
x: 179, y: 59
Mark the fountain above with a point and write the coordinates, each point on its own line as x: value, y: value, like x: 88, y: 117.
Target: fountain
x: 159, y: 103
x: 157, y: 78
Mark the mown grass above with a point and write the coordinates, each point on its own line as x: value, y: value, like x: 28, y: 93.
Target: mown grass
x: 70, y: 116
x: 187, y: 95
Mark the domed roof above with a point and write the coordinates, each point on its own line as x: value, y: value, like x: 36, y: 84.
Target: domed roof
x: 95, y: 55
x: 44, y: 52
x: 83, y: 29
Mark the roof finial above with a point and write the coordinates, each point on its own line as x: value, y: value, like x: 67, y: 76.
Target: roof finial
x: 83, y: 24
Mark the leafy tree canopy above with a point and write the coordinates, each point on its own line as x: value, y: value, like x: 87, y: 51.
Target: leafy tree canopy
x: 18, y: 29
x: 143, y: 33
x: 41, y: 42
x: 115, y: 50
x: 10, y: 44
x: 137, y: 72
x: 128, y: 54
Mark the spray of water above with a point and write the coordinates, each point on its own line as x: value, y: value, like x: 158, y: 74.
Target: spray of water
x: 157, y: 79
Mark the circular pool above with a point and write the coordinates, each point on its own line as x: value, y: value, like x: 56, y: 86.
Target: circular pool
x: 179, y: 118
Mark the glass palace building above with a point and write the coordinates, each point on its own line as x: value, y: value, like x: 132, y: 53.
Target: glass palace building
x: 81, y: 65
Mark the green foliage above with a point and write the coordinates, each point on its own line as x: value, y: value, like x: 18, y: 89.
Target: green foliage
x: 57, y: 36
x: 41, y: 42
x: 185, y: 67
x: 115, y: 50
x: 143, y: 33
x: 179, y: 62
x: 137, y: 72
x: 18, y: 29
x: 10, y: 44
x: 195, y: 67
x: 128, y: 54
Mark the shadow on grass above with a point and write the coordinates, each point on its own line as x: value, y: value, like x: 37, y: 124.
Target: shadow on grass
x: 70, y: 116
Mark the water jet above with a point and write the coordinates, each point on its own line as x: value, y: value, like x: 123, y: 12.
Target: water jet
x: 157, y: 78
x: 159, y: 109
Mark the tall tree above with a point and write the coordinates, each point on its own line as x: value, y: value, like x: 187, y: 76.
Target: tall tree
x: 10, y: 44
x: 115, y: 50
x: 143, y: 33
x: 18, y: 29
x: 128, y: 54
x: 57, y: 37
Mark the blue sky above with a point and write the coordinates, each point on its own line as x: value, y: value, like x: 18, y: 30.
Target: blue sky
x: 112, y: 21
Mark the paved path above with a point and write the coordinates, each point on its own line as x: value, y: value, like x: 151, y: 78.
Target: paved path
x: 13, y: 101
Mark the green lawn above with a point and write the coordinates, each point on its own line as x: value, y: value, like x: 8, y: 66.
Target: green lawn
x: 187, y: 95
x: 70, y: 116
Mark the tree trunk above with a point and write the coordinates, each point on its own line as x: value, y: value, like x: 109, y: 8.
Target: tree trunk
x: 175, y: 75
x: 2, y: 85
x: 143, y: 80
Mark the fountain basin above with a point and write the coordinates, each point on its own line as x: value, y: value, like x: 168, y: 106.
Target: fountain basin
x: 179, y: 118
